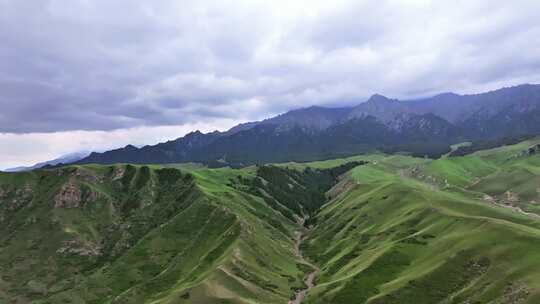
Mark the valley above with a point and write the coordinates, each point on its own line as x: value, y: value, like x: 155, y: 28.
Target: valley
x: 309, y: 278
x: 373, y: 228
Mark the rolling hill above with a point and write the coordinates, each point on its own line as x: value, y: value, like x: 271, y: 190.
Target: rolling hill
x: 373, y: 228
x: 453, y: 230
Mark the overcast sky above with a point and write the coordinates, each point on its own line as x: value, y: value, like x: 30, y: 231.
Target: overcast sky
x: 98, y: 74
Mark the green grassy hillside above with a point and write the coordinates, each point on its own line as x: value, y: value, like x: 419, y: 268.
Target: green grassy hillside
x: 395, y: 230
x: 126, y: 234
x: 418, y: 231
x: 150, y: 234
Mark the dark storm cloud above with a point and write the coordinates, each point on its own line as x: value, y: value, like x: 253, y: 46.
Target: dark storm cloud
x: 103, y: 65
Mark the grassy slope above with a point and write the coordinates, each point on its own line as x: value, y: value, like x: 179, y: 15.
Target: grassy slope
x: 417, y: 231
x: 262, y: 267
x: 399, y: 230
x: 503, y: 173
x: 141, y: 235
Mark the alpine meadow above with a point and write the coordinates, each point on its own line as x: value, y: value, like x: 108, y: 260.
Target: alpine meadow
x: 177, y: 152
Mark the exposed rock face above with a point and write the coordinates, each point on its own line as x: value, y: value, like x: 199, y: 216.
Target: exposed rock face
x: 118, y: 173
x: 515, y: 293
x: 87, y: 176
x: 69, y: 196
x: 511, y: 196
x: 78, y: 247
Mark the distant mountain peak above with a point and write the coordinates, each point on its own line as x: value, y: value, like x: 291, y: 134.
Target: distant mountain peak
x: 195, y: 133
x: 379, y: 98
x: 446, y: 95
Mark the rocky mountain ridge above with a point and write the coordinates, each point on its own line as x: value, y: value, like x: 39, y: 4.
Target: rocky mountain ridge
x: 421, y: 127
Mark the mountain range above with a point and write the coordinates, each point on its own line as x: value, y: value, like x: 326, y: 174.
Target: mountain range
x: 421, y: 127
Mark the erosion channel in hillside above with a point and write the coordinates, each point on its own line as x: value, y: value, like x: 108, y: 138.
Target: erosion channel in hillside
x: 309, y: 279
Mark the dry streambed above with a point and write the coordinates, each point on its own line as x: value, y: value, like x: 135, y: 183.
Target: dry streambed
x: 309, y: 279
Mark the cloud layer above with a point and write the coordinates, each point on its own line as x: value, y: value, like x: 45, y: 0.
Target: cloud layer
x: 30, y: 148
x: 103, y: 65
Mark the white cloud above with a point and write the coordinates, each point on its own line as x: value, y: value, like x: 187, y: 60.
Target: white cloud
x: 28, y: 149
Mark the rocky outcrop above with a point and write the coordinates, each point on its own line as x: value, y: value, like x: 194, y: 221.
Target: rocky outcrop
x: 515, y: 293
x: 77, y: 247
x: 118, y: 173
x: 74, y: 192
x: 511, y: 197
x: 69, y: 195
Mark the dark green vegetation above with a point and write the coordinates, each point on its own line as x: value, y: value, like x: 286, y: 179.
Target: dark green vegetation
x: 295, y: 193
x: 384, y: 229
x: 425, y: 127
